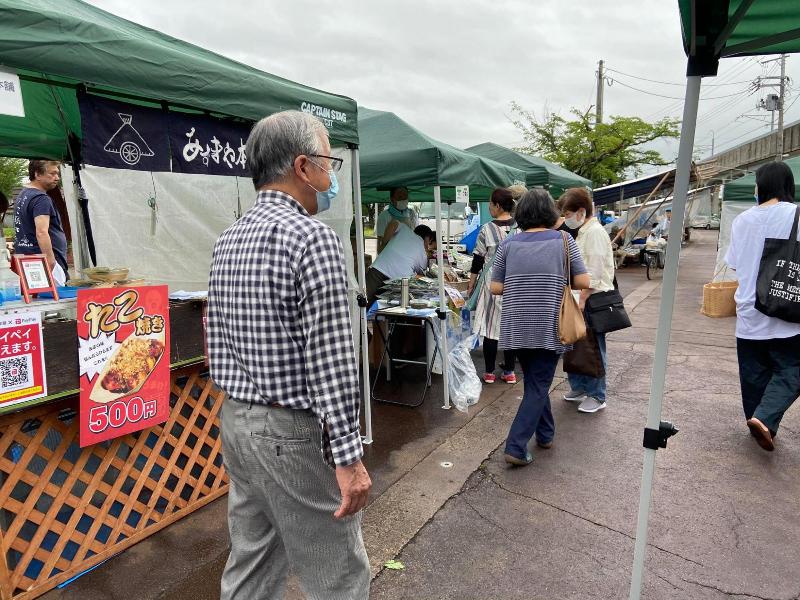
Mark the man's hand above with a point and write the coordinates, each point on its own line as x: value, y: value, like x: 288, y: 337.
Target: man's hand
x: 355, y: 484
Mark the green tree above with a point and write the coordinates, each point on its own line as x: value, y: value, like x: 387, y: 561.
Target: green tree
x: 12, y: 171
x: 606, y: 153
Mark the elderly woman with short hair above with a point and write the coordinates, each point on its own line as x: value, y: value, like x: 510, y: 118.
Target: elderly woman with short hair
x: 529, y: 272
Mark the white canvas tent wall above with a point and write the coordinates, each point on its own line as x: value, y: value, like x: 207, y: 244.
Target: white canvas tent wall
x: 712, y: 29
x: 730, y: 210
x: 699, y: 209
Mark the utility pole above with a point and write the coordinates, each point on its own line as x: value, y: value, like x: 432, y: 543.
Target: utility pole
x: 712, y: 142
x: 600, y: 84
x: 779, y: 150
x: 775, y: 102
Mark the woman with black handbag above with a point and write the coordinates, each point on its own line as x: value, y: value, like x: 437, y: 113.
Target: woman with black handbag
x: 595, y: 246
x: 763, y: 246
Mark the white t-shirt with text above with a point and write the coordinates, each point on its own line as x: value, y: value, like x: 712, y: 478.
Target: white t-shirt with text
x: 748, y: 232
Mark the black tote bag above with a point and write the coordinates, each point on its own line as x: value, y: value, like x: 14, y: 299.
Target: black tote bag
x: 778, y: 284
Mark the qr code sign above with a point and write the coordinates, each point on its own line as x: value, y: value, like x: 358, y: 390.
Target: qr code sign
x: 16, y: 372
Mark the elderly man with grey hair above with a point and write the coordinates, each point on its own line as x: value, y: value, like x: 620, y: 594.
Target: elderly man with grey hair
x: 280, y: 346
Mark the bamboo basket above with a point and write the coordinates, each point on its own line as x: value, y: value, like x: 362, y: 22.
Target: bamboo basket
x: 718, y: 299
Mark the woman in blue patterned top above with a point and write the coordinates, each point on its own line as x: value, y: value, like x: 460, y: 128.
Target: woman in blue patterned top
x: 529, y: 273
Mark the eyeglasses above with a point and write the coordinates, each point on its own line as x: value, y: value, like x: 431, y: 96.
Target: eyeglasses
x: 336, y: 163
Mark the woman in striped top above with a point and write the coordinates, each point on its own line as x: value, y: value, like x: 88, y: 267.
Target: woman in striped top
x: 529, y: 272
x: 486, y: 322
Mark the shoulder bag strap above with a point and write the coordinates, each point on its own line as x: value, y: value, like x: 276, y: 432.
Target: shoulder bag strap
x: 793, y: 235
x: 566, y: 259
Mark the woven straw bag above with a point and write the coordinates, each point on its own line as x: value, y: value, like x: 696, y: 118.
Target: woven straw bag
x: 718, y: 297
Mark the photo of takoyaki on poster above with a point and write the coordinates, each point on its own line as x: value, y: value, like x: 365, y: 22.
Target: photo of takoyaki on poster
x: 123, y: 348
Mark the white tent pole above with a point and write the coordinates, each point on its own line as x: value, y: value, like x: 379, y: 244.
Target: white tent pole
x: 366, y: 397
x: 437, y: 203
x: 449, y: 251
x: 665, y: 322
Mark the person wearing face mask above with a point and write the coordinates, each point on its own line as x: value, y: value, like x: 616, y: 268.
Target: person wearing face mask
x: 486, y: 322
x: 662, y: 228
x: 408, y: 252
x: 280, y: 347
x: 397, y: 212
x: 595, y: 246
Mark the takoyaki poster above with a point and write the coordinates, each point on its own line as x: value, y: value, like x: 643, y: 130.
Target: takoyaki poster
x: 123, y: 353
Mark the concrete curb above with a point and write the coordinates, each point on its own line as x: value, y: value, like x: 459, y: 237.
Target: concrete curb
x: 394, y: 518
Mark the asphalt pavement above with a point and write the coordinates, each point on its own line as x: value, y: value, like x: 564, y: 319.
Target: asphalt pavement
x: 724, y: 515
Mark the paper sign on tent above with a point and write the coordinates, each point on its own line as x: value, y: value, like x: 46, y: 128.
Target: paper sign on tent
x: 10, y: 95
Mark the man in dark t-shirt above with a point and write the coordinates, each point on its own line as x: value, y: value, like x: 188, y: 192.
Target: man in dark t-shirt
x: 37, y: 224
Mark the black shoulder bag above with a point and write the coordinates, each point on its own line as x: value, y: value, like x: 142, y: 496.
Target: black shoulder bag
x: 778, y: 284
x: 605, y: 312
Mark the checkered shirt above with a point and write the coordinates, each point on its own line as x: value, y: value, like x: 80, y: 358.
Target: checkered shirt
x: 278, y: 324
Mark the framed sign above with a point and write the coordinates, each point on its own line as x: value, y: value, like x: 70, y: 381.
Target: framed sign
x: 124, y: 358
x: 35, y: 275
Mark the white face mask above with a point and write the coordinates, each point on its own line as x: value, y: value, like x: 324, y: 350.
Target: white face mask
x: 401, y: 204
x: 574, y: 222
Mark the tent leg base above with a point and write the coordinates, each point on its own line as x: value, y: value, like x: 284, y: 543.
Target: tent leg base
x: 366, y: 441
x: 447, y: 406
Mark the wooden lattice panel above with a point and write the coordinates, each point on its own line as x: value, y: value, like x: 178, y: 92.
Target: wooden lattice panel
x: 65, y: 509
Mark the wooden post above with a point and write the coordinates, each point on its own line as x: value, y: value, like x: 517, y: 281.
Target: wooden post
x: 641, y: 208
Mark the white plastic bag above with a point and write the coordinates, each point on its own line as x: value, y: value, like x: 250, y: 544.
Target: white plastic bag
x: 465, y: 385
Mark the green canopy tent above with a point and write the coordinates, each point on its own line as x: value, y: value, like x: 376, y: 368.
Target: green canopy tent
x: 393, y: 153
x: 60, y: 48
x: 712, y: 29
x: 741, y: 189
x: 538, y: 171
x: 55, y: 47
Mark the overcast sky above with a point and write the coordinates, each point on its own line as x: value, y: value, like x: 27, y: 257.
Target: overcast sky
x: 452, y: 68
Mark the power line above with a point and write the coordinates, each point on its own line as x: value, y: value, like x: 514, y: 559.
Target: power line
x: 673, y: 97
x: 736, y: 70
x: 759, y: 128
x: 672, y: 82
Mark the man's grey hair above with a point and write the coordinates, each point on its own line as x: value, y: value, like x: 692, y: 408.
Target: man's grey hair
x: 275, y: 141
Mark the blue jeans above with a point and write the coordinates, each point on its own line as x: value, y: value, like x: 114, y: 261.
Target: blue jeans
x: 592, y: 386
x: 534, y: 414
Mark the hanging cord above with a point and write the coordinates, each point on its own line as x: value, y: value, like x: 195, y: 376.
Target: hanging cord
x: 238, y: 200
x: 152, y: 202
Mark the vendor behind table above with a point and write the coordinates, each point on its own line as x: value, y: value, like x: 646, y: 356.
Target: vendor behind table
x: 407, y: 253
x: 37, y: 223
x: 398, y: 212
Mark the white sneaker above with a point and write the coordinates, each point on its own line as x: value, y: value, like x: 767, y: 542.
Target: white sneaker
x: 571, y: 396
x: 591, y: 405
